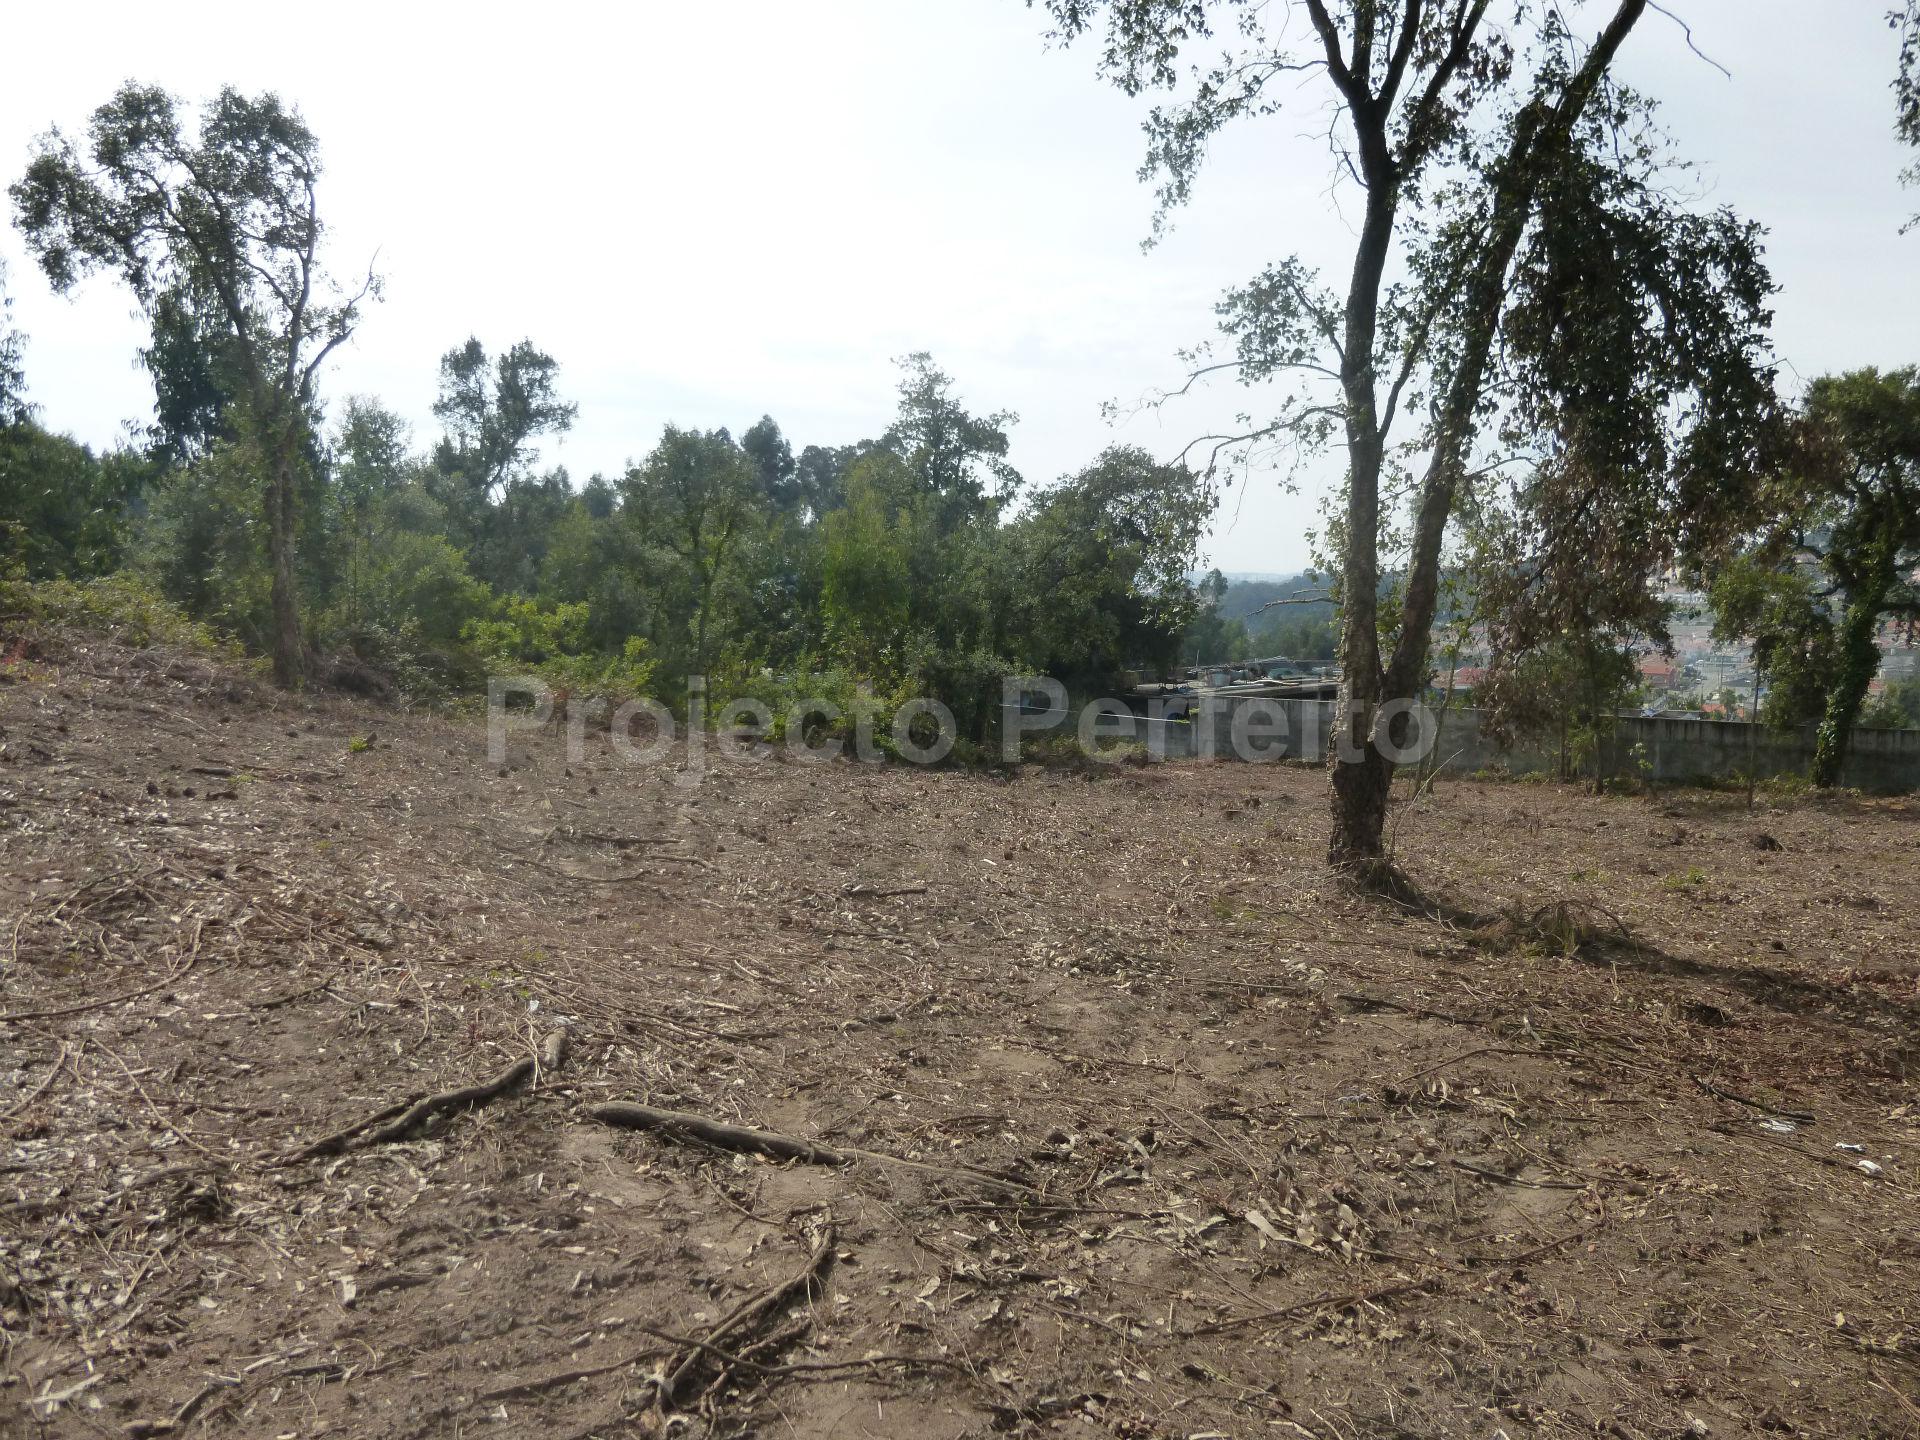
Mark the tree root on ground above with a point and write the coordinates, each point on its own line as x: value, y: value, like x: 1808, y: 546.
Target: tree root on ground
x: 685, y: 1126
x: 631, y: 1116
x: 404, y: 1120
x: 695, y: 1354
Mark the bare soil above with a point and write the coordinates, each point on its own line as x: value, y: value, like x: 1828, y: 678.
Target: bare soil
x: 1148, y: 1128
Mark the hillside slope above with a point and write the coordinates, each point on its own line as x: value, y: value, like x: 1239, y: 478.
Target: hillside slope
x: 1159, y: 1133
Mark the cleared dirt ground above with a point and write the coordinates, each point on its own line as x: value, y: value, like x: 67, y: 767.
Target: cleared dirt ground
x: 1148, y: 1129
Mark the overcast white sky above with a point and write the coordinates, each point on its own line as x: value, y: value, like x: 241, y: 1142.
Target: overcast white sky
x: 709, y: 212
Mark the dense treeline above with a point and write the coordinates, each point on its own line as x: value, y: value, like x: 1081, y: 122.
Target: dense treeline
x: 1588, y: 403
x: 918, y: 560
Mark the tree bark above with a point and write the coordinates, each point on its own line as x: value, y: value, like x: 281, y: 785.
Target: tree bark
x: 1361, y: 776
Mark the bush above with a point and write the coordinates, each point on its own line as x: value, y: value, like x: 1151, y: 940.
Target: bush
x: 119, y: 607
x: 519, y: 631
x: 969, y: 683
x: 419, y: 585
x: 846, y: 692
x: 550, y: 641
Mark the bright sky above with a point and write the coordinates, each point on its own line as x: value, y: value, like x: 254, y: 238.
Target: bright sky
x: 709, y: 212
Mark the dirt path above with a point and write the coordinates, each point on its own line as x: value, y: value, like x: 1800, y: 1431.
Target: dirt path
x: 1161, y: 1134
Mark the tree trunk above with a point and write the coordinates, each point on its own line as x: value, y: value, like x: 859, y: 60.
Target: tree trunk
x: 1859, y: 660
x: 700, y: 625
x: 1360, y: 797
x: 289, y: 647
x: 1361, y: 776
x: 1361, y: 785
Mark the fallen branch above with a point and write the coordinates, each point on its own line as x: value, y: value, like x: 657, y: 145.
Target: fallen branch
x: 279, y: 1000
x: 1536, y: 1252
x: 568, y: 1377
x: 405, y: 1118
x: 181, y: 1418
x: 802, y: 1285
x: 682, y: 1125
x: 174, y: 979
x: 59, y: 1064
x: 339, y: 1140
x: 631, y: 1116
x: 1805, y: 1117
x: 876, y: 892
x: 553, y: 1054
x: 1323, y: 1302
x: 1468, y: 1055
x: 1498, y: 1178
x: 619, y: 842
x: 144, y: 1429
x: 1380, y: 1002
x: 804, y: 1367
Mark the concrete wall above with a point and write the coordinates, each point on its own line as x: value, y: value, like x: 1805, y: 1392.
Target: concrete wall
x: 1660, y: 748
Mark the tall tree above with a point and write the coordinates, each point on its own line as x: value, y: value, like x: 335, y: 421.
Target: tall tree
x: 494, y: 411
x: 196, y: 376
x: 866, y: 592
x: 231, y: 213
x: 772, y: 456
x: 961, y: 458
x: 1454, y: 126
x: 1905, y: 19
x: 63, y: 510
x: 820, y: 474
x: 698, y: 497
x: 1864, y: 522
x: 14, y: 409
x: 1101, y: 562
x: 371, y: 461
x: 1838, y: 555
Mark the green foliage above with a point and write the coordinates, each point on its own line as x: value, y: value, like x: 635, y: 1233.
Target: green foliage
x: 1897, y: 709
x: 866, y: 560
x: 121, y: 607
x: 969, y: 683
x: 202, y: 542
x: 421, y: 584
x: 1568, y: 694
x: 621, y: 676
x: 493, y: 413
x: 1905, y: 19
x: 1100, y: 563
x: 1777, y: 609
x: 63, y: 510
x: 600, y: 562
x: 697, y: 502
x: 773, y: 460
x: 14, y: 409
x: 1838, y: 555
x: 959, y: 458
x: 880, y: 570
x: 518, y: 631
x: 195, y: 371
x: 217, y: 234
x: 551, y: 641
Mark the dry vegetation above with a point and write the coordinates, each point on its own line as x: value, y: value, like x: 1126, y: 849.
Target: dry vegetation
x: 1087, y: 1105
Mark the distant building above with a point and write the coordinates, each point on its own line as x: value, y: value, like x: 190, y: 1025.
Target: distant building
x: 1659, y: 672
x: 1464, y: 680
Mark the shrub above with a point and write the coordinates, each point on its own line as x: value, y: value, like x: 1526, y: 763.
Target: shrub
x: 120, y: 607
